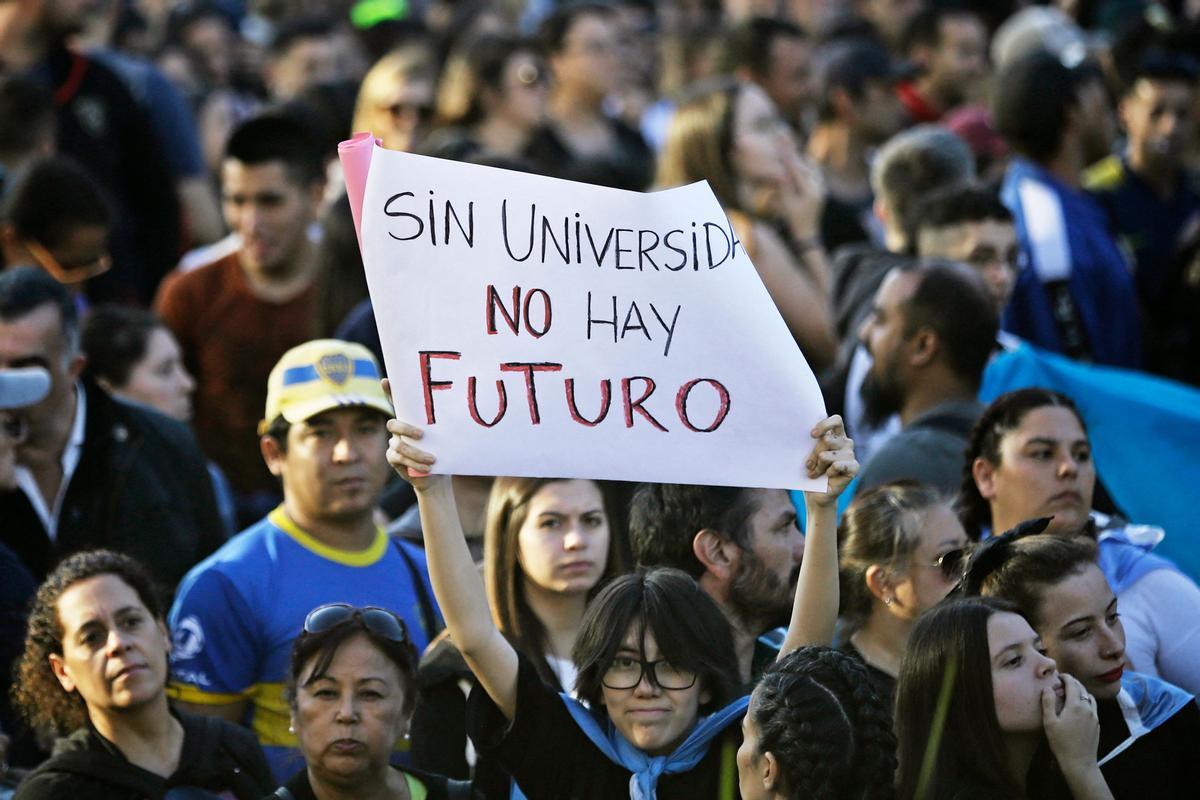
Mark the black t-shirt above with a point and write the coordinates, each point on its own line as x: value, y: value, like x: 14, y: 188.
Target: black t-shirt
x: 552, y: 759
x: 628, y: 165
x: 883, y: 684
x: 1164, y: 764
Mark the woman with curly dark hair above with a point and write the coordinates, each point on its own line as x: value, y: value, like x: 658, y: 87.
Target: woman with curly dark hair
x: 817, y: 729
x: 94, y: 671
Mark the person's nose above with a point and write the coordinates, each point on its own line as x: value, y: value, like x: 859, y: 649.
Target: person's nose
x: 1046, y: 666
x: 864, y: 332
x: 186, y: 380
x: 249, y: 219
x: 345, y: 450
x: 1068, y: 466
x: 347, y: 712
x: 646, y: 687
x: 1167, y: 123
x: 797, y: 547
x: 573, y: 537
x: 118, y: 641
x: 1112, y: 646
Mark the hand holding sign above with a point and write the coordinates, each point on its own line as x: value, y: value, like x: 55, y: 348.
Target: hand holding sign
x: 832, y: 456
x: 533, y: 326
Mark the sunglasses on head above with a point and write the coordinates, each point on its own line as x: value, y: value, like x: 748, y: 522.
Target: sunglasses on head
x: 379, y: 621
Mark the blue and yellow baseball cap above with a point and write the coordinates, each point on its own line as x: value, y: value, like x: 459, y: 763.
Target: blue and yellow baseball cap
x: 321, y: 375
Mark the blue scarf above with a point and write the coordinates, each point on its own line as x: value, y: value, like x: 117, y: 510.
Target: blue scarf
x: 646, y: 769
x: 1145, y: 703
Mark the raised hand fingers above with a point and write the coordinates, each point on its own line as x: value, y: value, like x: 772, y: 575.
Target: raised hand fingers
x: 401, y: 453
x: 831, y: 425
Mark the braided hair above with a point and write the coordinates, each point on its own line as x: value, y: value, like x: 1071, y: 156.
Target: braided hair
x: 816, y: 711
x: 1003, y: 415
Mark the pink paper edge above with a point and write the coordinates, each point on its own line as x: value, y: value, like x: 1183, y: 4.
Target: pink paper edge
x: 355, y: 154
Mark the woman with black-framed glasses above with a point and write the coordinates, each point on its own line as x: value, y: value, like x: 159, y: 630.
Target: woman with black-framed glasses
x: 900, y: 552
x: 656, y: 711
x: 351, y: 688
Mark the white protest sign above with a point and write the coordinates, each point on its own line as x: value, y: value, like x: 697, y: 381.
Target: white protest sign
x: 538, y: 327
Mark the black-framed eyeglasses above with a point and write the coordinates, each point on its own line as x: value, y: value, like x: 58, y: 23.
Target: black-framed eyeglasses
x: 379, y: 621
x: 14, y: 426
x: 626, y: 672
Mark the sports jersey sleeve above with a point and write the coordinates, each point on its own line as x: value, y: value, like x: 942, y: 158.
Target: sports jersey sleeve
x: 216, y: 650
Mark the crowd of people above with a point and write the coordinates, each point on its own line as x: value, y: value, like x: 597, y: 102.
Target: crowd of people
x: 227, y: 569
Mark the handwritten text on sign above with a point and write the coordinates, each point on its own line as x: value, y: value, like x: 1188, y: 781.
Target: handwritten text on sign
x: 538, y: 327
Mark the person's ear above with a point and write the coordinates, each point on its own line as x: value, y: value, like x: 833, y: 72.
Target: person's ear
x: 272, y: 453
x: 1123, y: 113
x: 843, y: 104
x: 881, y: 211
x: 75, y: 367
x: 879, y: 584
x: 715, y: 553
x: 316, y: 195
x: 984, y: 473
x: 924, y: 347
x: 59, y: 668
x: 771, y: 771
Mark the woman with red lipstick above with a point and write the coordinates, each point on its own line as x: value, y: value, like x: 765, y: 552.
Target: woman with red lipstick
x: 656, y: 714
x: 1147, y: 728
x: 977, y: 698
x: 548, y: 548
x: 95, y: 666
x: 1029, y: 457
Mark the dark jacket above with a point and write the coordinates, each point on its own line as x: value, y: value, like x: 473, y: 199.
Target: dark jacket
x: 439, y: 723
x: 141, y: 487
x: 217, y: 757
x: 930, y: 449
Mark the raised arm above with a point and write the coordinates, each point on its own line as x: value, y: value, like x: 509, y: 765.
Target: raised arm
x: 456, y: 582
x: 815, y: 609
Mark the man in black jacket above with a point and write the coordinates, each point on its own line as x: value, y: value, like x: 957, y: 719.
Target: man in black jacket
x: 93, y: 471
